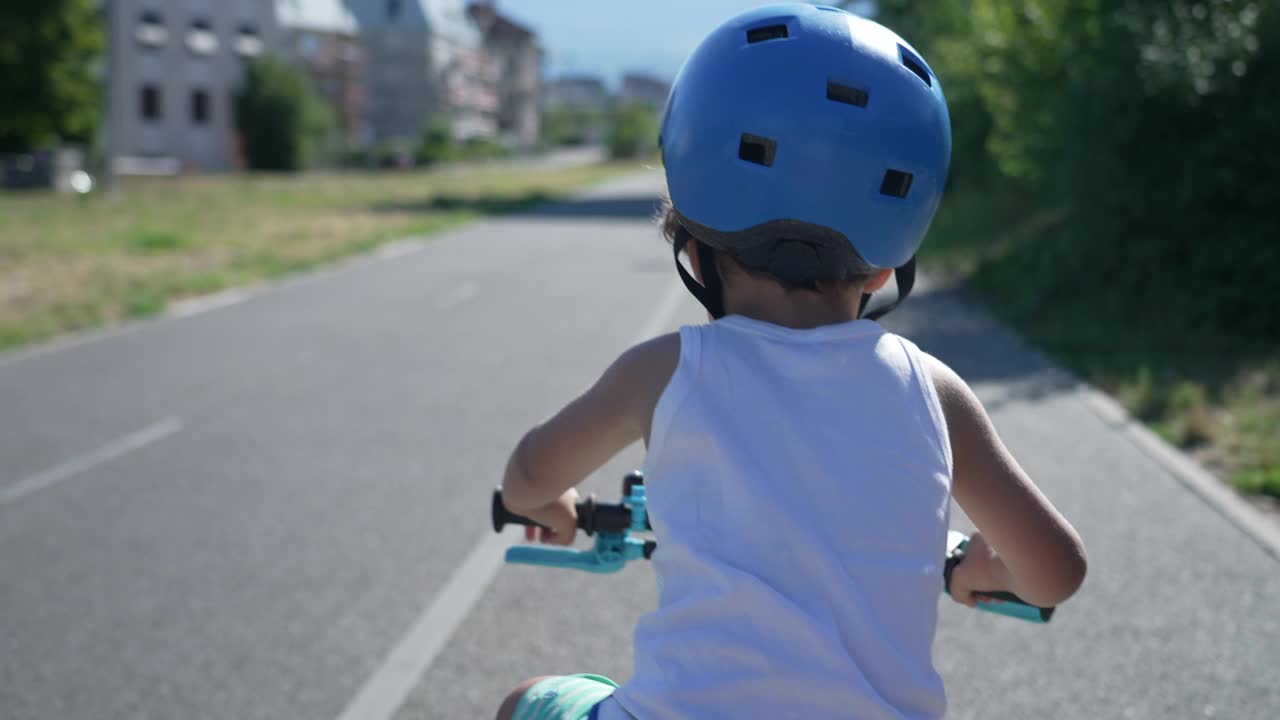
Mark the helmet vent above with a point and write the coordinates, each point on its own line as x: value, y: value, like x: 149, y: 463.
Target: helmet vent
x: 846, y: 94
x: 768, y: 32
x: 915, y: 65
x: 896, y: 183
x: 756, y: 149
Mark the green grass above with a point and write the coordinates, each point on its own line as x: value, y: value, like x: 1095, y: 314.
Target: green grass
x: 146, y: 241
x: 1202, y: 388
x: 70, y: 263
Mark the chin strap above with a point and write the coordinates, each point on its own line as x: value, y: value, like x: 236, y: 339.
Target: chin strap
x: 711, y: 295
x: 905, y: 275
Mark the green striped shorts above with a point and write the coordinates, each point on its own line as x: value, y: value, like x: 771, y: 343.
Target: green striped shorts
x: 565, y: 697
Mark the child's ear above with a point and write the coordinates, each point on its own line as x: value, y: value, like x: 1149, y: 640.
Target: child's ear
x: 877, y: 281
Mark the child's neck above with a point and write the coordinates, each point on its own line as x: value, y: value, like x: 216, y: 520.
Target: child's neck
x: 798, y: 309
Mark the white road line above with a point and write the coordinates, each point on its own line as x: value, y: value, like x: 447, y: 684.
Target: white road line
x: 399, y: 249
x: 385, y: 691
x: 75, y: 466
x: 205, y: 303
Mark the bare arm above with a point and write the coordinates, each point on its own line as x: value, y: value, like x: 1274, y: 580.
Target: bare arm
x: 612, y: 414
x: 1044, y: 557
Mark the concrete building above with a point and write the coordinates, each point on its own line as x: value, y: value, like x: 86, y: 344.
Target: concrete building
x: 174, y: 70
x: 425, y: 60
x: 577, y: 92
x: 644, y: 89
x: 388, y: 67
x: 323, y: 38
x: 519, y: 57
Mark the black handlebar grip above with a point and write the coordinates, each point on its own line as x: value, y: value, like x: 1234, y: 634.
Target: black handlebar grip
x: 501, y: 516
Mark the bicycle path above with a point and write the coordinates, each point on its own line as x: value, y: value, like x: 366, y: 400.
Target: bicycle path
x: 245, y: 512
x: 234, y: 514
x: 1179, y: 617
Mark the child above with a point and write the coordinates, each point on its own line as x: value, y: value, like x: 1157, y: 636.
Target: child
x: 801, y: 460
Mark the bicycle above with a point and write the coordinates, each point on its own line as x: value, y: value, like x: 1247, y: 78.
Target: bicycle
x: 615, y: 524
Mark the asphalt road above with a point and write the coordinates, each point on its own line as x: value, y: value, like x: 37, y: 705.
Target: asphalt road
x: 243, y: 512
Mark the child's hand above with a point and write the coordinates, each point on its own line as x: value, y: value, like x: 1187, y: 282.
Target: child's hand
x: 980, y: 570
x: 560, y: 518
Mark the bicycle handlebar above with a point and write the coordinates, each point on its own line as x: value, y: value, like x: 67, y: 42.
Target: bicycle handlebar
x: 593, y: 517
x: 613, y: 523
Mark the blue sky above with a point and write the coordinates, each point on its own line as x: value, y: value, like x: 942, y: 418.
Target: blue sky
x: 610, y: 37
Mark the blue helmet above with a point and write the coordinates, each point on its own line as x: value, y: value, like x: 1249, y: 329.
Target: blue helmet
x: 802, y: 138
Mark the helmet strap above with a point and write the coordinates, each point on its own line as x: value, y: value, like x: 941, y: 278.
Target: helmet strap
x: 711, y: 292
x: 905, y: 275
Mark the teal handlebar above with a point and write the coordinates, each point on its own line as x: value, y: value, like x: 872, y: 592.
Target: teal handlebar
x: 613, y: 525
x: 999, y: 602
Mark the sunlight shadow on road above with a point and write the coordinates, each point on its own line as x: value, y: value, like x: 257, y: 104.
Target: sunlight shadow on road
x: 949, y: 323
x: 535, y: 205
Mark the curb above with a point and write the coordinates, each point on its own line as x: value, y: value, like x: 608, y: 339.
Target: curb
x: 201, y: 304
x: 1237, y: 511
x: 1195, y: 478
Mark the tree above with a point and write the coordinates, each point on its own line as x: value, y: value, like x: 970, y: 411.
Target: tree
x: 944, y: 34
x: 437, y: 142
x: 48, y: 53
x: 569, y: 126
x: 633, y: 131
x: 284, y: 123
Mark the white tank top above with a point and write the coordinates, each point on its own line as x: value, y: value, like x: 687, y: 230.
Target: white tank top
x: 799, y: 484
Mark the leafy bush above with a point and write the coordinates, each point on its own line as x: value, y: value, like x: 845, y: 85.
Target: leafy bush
x: 1145, y: 121
x: 47, y: 53
x: 633, y: 131
x: 283, y: 121
x: 571, y: 126
x: 437, y: 143
x: 482, y: 148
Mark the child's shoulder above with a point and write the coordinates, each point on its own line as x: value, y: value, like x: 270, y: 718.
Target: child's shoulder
x: 633, y: 384
x: 651, y: 363
x: 953, y: 392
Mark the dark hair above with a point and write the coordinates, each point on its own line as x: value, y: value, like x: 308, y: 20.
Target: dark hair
x: 728, y: 261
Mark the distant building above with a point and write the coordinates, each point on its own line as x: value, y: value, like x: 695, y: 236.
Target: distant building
x: 174, y: 72
x: 425, y: 60
x: 645, y: 90
x: 322, y: 37
x: 388, y: 68
x: 519, y: 63
x: 577, y: 92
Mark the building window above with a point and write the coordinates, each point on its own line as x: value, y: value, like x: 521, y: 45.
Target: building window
x: 248, y: 42
x: 151, y: 32
x: 393, y: 9
x: 199, y: 106
x: 201, y: 39
x: 309, y: 46
x: 151, y: 108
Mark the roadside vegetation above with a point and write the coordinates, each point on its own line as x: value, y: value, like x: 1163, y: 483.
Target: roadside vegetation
x: 627, y: 129
x: 1113, y: 198
x: 69, y: 263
